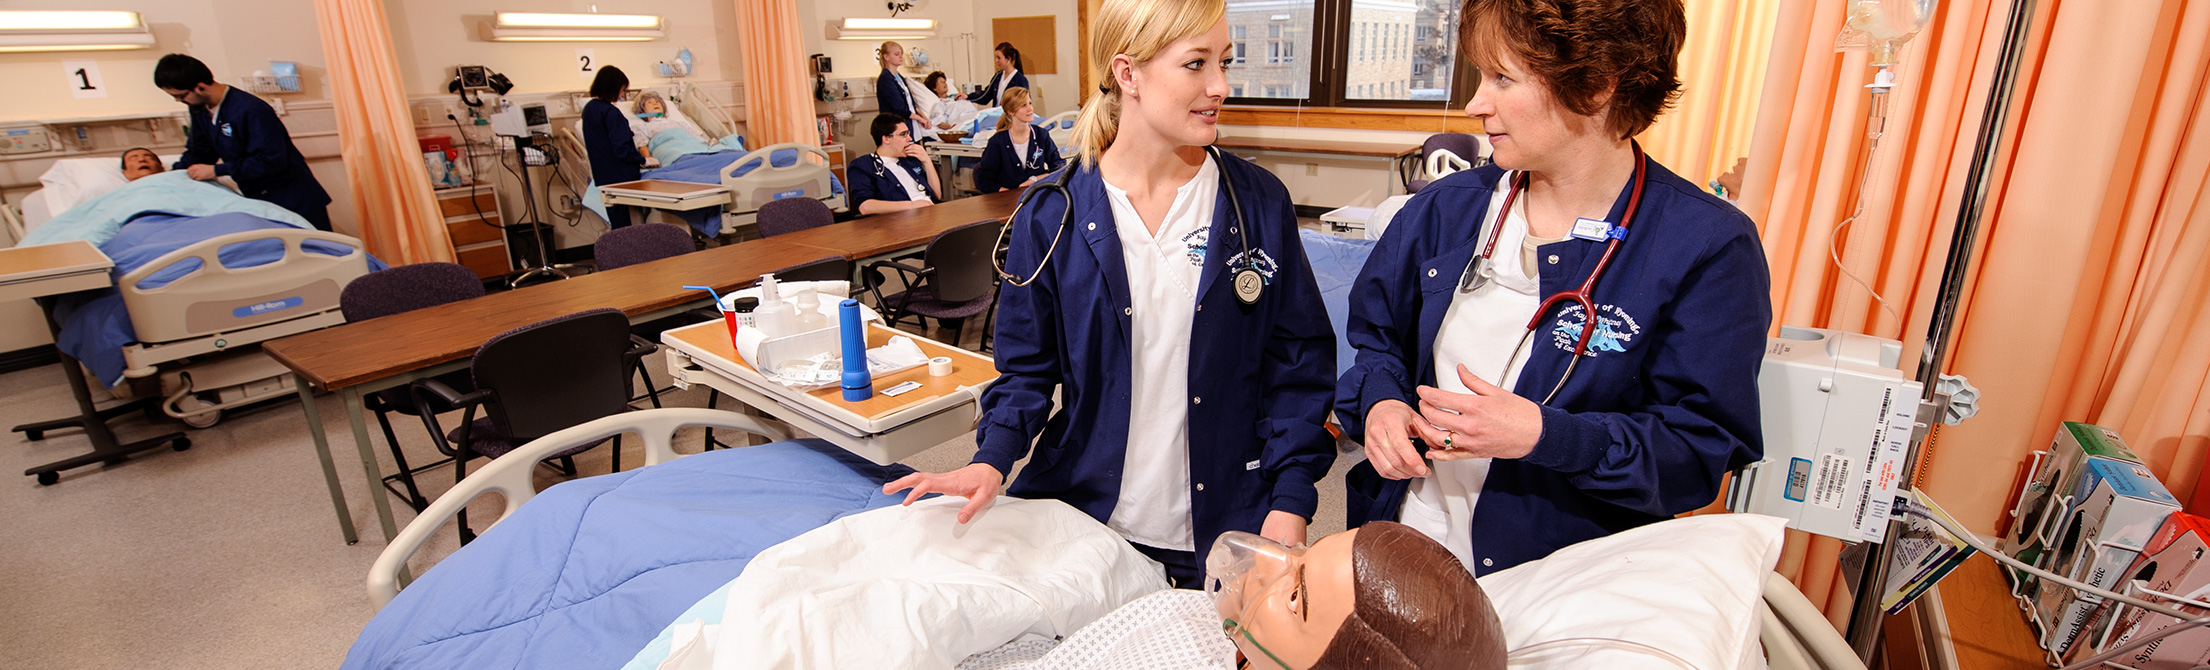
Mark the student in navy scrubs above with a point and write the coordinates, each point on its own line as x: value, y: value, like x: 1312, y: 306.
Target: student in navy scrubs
x: 892, y: 96
x: 898, y: 176
x: 1490, y: 437
x: 1006, y: 78
x: 608, y: 139
x: 1188, y: 402
x: 1020, y: 153
x: 239, y: 136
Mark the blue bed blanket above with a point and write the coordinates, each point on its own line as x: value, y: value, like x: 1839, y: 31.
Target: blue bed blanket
x: 98, y: 220
x: 1336, y: 262
x: 590, y: 570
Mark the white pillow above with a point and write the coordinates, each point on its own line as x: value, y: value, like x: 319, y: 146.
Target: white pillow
x: 1689, y: 586
x: 72, y: 181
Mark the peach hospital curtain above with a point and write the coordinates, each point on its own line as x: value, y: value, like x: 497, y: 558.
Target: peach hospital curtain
x: 1722, y: 70
x: 2090, y: 272
x: 398, y: 215
x: 777, y: 100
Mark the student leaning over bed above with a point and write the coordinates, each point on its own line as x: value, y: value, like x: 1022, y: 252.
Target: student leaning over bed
x: 1183, y: 411
x: 898, y: 176
x: 238, y: 136
x: 1533, y: 447
x: 1020, y: 153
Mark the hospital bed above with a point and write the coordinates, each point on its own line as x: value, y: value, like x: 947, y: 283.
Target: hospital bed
x: 195, y: 294
x: 737, y: 188
x: 590, y: 571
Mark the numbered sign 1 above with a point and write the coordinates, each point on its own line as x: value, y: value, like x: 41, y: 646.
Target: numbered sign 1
x: 84, y: 79
x: 587, y: 64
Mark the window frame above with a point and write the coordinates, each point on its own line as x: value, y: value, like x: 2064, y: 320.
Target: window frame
x: 1334, y: 46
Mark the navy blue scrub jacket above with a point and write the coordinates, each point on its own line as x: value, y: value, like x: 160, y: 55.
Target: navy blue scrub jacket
x: 246, y: 142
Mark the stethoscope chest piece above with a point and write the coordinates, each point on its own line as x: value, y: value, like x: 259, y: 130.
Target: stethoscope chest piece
x: 1249, y: 285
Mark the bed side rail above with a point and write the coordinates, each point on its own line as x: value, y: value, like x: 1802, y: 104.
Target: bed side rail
x: 510, y: 475
x: 215, y: 299
x: 1796, y: 634
x: 12, y: 220
x: 703, y: 110
x: 808, y: 176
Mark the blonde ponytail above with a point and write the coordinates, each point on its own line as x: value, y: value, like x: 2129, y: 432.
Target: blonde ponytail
x: 1138, y: 29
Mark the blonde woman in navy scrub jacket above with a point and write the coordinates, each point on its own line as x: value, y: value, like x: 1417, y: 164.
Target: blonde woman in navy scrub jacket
x: 1183, y: 411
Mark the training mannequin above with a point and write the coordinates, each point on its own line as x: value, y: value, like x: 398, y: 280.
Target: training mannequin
x: 1378, y: 596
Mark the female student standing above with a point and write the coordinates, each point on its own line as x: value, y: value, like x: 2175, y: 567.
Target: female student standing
x: 1176, y: 317
x: 892, y: 96
x: 607, y: 139
x: 1008, y: 75
x: 1018, y: 154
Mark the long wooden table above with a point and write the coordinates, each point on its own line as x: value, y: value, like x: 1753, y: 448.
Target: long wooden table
x: 356, y: 359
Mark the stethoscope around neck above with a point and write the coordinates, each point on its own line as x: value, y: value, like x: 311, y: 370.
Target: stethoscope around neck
x: 1480, y: 271
x: 1248, y: 282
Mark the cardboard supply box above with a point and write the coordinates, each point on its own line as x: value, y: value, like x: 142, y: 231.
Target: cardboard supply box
x: 2120, y: 514
x: 2042, y: 502
x: 2171, y: 563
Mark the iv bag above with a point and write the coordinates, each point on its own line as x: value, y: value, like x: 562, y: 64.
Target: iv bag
x: 1881, y: 27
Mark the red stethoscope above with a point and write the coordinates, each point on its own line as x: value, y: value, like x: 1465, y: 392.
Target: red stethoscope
x: 1480, y: 271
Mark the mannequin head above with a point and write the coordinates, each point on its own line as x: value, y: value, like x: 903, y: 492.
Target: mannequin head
x: 1379, y: 596
x: 651, y: 105
x: 140, y: 162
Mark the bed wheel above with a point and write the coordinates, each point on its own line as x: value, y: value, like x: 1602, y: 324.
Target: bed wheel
x: 203, y: 420
x: 183, y: 443
x: 34, y: 436
x: 48, y: 478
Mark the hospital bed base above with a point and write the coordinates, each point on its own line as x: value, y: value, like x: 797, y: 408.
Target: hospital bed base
x: 105, y: 448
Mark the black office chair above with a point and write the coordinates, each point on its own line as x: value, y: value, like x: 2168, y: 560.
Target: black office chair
x: 1464, y: 147
x: 954, y: 281
x: 644, y: 243
x: 533, y: 381
x: 826, y: 268
x: 404, y: 289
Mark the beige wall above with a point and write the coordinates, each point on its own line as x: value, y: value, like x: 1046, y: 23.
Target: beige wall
x: 433, y: 36
x: 234, y: 37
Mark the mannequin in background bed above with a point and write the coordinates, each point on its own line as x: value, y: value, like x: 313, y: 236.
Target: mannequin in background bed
x: 612, y: 146
x: 238, y: 136
x: 139, y: 163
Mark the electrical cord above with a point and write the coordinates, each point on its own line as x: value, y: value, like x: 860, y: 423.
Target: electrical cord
x: 468, y: 151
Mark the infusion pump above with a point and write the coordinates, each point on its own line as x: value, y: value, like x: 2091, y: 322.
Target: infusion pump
x: 1838, y: 418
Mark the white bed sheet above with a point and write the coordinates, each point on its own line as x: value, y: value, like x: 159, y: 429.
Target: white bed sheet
x: 71, y: 181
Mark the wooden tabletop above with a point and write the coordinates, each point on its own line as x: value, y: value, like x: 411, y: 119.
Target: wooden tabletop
x: 968, y: 369
x: 356, y: 353
x: 1363, y: 149
x: 72, y: 257
x: 884, y: 233
x: 663, y: 187
x: 1985, y: 624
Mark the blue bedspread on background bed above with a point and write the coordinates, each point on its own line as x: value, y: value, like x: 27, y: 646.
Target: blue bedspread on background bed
x: 1335, y: 265
x: 94, y: 326
x: 590, y: 570
x: 706, y: 168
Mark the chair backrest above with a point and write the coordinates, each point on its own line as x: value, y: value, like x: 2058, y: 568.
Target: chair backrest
x: 790, y: 215
x: 407, y: 288
x: 639, y: 244
x: 555, y: 373
x: 1450, y: 152
x: 961, y: 258
x: 826, y: 268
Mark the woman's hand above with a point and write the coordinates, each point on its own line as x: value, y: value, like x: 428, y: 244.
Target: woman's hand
x: 1284, y: 527
x: 1491, y: 422
x: 979, y: 483
x: 1390, y: 426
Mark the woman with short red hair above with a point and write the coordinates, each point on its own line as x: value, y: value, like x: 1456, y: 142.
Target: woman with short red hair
x: 1499, y: 415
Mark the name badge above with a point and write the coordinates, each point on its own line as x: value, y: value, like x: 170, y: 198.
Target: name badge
x: 1592, y: 230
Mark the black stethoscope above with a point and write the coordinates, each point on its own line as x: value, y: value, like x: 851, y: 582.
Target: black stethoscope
x: 1249, y: 283
x: 1480, y: 271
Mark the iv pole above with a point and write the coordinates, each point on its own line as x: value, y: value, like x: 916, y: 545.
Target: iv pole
x: 1866, y: 615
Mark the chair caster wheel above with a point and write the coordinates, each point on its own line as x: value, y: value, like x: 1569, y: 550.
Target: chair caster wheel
x: 48, y: 478
x: 34, y: 435
x: 181, y: 444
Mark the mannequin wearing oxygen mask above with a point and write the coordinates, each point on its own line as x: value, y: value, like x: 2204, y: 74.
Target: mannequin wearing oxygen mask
x: 1381, y: 596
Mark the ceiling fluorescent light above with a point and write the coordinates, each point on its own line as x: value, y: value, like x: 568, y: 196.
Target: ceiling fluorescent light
x: 545, y: 27
x: 22, y: 31
x: 865, y: 28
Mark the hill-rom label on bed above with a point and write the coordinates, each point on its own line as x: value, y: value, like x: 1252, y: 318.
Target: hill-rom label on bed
x: 260, y: 308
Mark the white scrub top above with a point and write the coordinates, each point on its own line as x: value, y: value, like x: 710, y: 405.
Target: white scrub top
x: 1480, y: 330
x: 1163, y: 271
x: 913, y: 190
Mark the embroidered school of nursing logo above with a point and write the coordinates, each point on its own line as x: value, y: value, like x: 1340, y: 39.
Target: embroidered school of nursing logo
x: 1266, y: 265
x: 1193, y: 245
x: 1615, y: 330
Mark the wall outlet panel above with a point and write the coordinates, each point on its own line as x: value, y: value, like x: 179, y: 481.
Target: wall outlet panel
x: 25, y: 141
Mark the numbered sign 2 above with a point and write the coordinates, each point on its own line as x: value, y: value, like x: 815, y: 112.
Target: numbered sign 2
x: 84, y: 79
x: 587, y: 64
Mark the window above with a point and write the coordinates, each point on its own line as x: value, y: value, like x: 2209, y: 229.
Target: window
x: 1236, y: 90
x: 1363, y: 53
